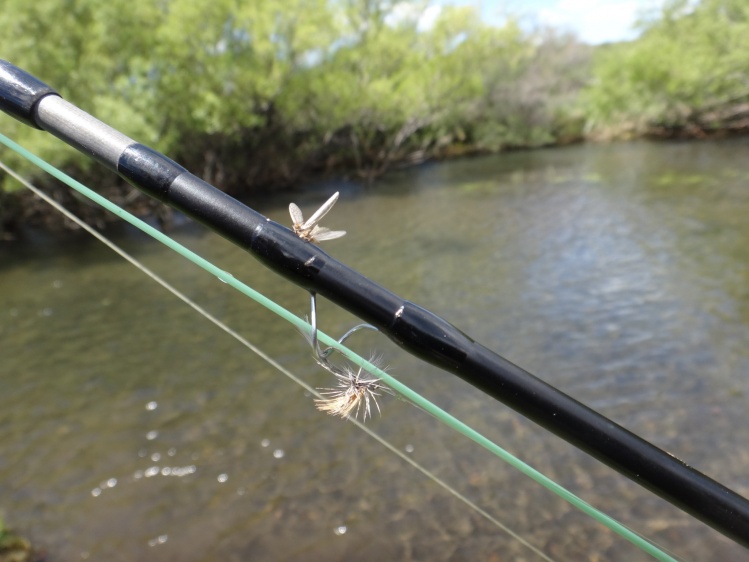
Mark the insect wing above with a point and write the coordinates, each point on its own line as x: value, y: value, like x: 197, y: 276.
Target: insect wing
x: 296, y: 214
x: 321, y: 234
x: 320, y: 213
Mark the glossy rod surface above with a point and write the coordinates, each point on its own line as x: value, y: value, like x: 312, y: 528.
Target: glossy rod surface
x: 412, y: 327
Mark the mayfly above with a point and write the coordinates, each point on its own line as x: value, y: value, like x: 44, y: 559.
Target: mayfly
x: 309, y: 230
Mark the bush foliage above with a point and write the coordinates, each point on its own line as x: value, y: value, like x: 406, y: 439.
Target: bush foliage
x: 257, y: 95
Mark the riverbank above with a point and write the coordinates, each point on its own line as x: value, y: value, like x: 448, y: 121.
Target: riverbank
x: 21, y: 208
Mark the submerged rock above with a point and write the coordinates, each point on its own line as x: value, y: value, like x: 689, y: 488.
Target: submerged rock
x: 14, y: 548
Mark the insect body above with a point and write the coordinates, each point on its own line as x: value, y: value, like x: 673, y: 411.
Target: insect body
x: 309, y: 230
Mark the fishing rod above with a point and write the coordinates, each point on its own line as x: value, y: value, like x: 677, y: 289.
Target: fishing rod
x: 412, y: 327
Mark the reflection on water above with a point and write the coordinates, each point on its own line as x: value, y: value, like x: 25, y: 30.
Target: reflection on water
x: 133, y: 429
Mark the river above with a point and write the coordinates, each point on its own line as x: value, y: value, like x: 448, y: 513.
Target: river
x: 134, y: 429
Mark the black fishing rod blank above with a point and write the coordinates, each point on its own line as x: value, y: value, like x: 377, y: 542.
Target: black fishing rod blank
x: 414, y: 328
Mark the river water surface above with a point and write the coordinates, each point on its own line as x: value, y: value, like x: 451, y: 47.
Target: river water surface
x: 133, y: 429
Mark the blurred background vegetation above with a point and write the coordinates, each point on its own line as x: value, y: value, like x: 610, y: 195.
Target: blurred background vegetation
x: 256, y: 96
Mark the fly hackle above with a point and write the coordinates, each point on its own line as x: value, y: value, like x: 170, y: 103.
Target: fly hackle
x: 353, y: 392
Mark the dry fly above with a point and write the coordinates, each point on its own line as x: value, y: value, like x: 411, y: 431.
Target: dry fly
x: 352, y: 387
x: 352, y: 391
x: 309, y: 230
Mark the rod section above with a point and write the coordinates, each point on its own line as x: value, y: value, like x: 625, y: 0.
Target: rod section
x: 412, y: 327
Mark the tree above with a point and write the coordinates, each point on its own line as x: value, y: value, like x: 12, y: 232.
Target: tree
x: 689, y: 61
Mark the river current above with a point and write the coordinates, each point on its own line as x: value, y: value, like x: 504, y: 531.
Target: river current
x: 133, y: 429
